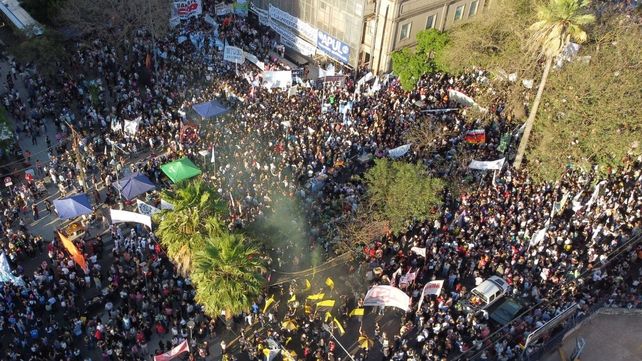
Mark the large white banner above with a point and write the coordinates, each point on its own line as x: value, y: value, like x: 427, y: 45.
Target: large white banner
x: 185, y: 9
x: 289, y: 39
x: 234, y: 54
x: 305, y: 29
x: 431, y: 288
x: 118, y: 216
x: 277, y: 79
x: 387, y: 296
x: 419, y: 251
x: 487, y: 165
x: 399, y: 151
x: 131, y: 126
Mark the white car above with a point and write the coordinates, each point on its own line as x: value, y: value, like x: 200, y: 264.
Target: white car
x: 484, y: 295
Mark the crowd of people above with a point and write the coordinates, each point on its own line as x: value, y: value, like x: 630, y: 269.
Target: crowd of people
x: 553, y: 243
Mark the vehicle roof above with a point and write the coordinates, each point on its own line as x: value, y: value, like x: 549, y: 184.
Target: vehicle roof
x: 491, y: 285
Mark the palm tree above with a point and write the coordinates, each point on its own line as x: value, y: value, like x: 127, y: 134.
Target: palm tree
x: 227, y: 274
x: 195, y: 216
x: 559, y: 22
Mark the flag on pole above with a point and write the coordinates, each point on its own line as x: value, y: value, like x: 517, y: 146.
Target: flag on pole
x: 5, y: 272
x: 173, y: 353
x: 326, y: 303
x: 292, y: 299
x: 330, y: 283
x: 476, y: 136
x: 340, y: 327
x: 318, y: 296
x: 328, y: 316
x: 73, y: 251
x: 357, y: 312
x: 307, y: 284
x: 268, y: 303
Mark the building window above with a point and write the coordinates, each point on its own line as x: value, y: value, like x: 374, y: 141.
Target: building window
x: 430, y: 22
x: 473, y: 8
x: 459, y: 12
x: 405, y: 31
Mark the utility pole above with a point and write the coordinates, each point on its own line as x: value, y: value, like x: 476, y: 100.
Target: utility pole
x: 75, y: 146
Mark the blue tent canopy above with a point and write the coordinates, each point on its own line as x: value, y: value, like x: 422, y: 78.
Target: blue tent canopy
x: 73, y: 206
x: 134, y: 185
x: 210, y: 109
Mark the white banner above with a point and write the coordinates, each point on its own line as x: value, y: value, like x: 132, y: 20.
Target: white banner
x: 387, y: 296
x: 487, y: 165
x: 223, y: 9
x: 277, y: 79
x: 399, y: 151
x: 431, y: 288
x: 146, y: 209
x: 305, y: 29
x: 185, y: 9
x: 131, y: 126
x: 539, y: 236
x: 166, y: 205
x: 118, y: 216
x: 419, y: 251
x: 254, y: 60
x: 234, y: 54
x: 463, y: 99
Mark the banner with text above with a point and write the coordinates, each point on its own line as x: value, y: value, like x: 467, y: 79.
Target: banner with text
x: 185, y: 9
x: 233, y: 54
x: 387, y: 296
x: 306, y: 30
x: 333, y: 47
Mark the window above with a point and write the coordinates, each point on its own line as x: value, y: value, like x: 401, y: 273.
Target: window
x: 430, y: 22
x: 459, y: 12
x: 405, y: 31
x: 473, y: 8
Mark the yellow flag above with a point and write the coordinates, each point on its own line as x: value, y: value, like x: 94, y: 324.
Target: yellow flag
x: 340, y: 327
x: 326, y: 303
x: 328, y: 316
x: 318, y: 296
x: 307, y: 309
x: 330, y: 283
x: 268, y: 303
x: 307, y: 284
x: 357, y: 312
x: 292, y: 299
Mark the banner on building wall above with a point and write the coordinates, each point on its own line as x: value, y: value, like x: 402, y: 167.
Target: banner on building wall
x: 234, y: 54
x: 306, y: 30
x: 289, y: 39
x: 185, y: 9
x: 333, y: 47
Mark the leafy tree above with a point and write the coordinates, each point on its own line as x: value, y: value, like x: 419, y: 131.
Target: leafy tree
x: 590, y: 112
x: 400, y: 192
x: 32, y: 50
x: 227, y: 274
x: 559, y: 22
x: 195, y: 216
x: 45, y: 11
x: 410, y: 65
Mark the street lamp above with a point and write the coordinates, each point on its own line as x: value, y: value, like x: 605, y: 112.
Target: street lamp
x: 329, y: 330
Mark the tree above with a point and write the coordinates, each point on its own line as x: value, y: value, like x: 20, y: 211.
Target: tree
x: 411, y: 65
x: 401, y: 192
x: 196, y: 216
x: 227, y: 274
x: 590, y: 112
x: 116, y: 20
x: 32, y: 50
x: 559, y: 22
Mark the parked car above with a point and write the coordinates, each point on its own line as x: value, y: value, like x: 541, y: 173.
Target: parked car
x: 484, y: 295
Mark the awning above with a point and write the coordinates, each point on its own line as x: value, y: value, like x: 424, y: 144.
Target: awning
x: 73, y: 206
x: 210, y: 109
x: 180, y: 169
x: 134, y: 185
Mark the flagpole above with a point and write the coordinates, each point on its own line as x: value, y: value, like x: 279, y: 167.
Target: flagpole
x: 329, y: 330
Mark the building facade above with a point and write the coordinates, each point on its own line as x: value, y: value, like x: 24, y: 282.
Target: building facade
x: 361, y: 32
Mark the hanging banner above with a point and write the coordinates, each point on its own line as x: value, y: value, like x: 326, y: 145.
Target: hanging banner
x: 399, y: 151
x: 277, y: 79
x: 387, y: 296
x: 333, y: 82
x: 223, y: 9
x: 234, y: 54
x: 333, y: 47
x: 173, y: 353
x: 118, y: 216
x: 185, y: 9
x: 146, y: 209
x: 431, y: 288
x: 487, y: 165
x: 303, y: 28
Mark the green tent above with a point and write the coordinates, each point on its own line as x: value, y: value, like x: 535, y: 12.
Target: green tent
x: 180, y: 169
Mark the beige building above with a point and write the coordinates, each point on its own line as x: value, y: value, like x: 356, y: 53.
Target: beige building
x: 361, y: 32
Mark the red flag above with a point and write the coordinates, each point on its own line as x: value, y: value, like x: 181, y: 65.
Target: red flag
x: 73, y: 251
x: 477, y: 136
x: 173, y: 353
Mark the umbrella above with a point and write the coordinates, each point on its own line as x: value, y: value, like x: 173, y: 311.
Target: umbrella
x: 289, y: 325
x: 133, y: 185
x: 365, y: 343
x: 73, y: 206
x: 180, y: 169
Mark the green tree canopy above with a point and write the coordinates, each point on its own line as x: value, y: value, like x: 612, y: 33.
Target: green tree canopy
x: 400, y: 192
x: 410, y: 65
x: 227, y: 274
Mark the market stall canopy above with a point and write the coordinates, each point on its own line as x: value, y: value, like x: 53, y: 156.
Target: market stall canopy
x: 180, y: 169
x: 73, y: 206
x: 210, y: 109
x: 134, y: 185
